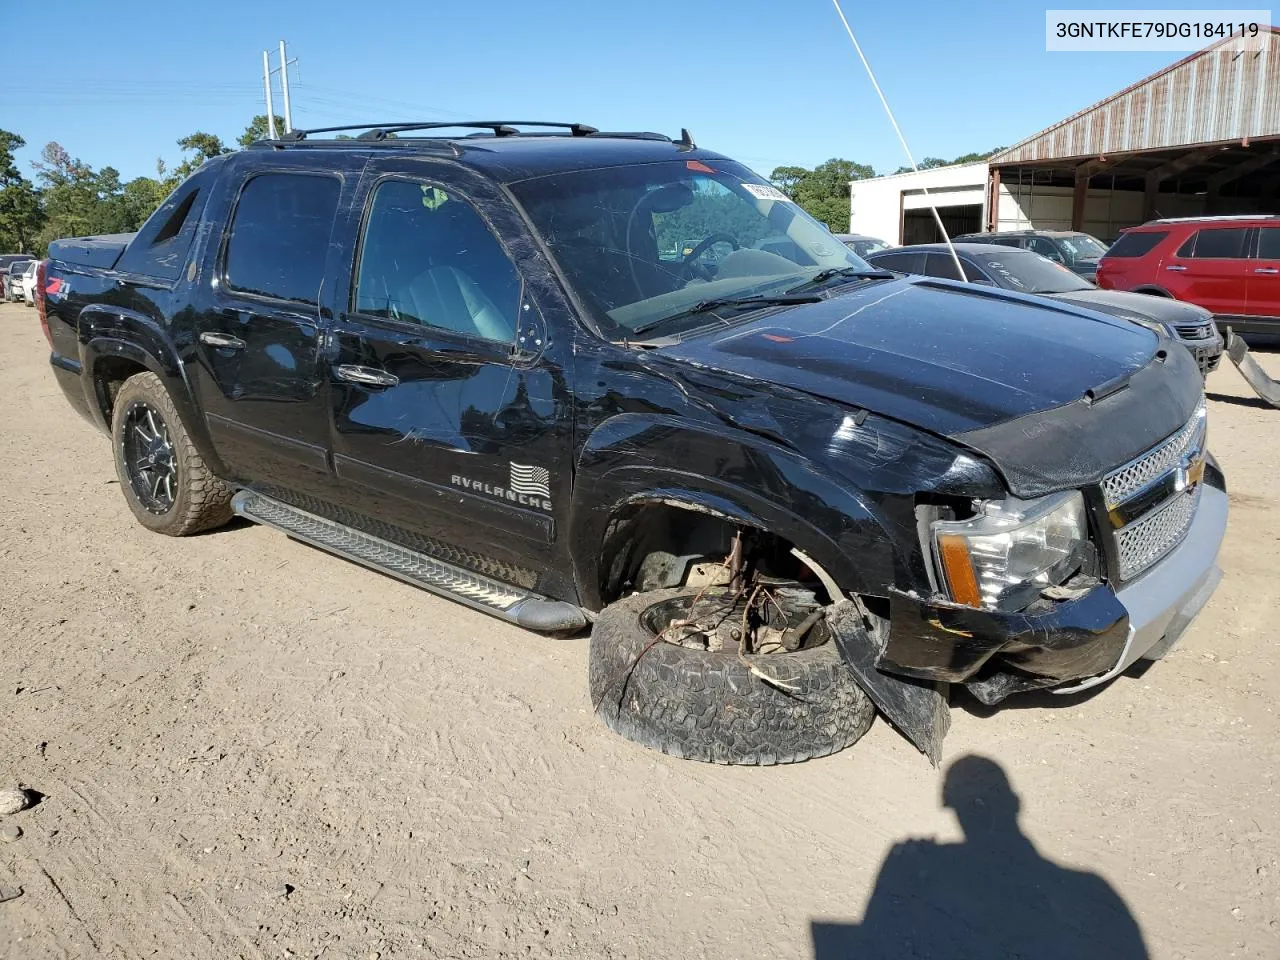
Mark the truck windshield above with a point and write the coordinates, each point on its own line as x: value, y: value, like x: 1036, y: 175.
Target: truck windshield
x: 647, y: 242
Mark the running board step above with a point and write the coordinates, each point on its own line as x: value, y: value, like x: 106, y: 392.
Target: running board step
x: 519, y: 606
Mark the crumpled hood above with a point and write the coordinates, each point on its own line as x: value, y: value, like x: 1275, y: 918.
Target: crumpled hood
x: 947, y: 357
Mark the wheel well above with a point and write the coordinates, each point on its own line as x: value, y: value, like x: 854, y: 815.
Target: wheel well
x: 1154, y: 291
x: 109, y: 375
x: 656, y: 545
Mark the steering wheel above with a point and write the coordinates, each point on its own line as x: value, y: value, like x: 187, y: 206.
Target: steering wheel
x: 691, y: 259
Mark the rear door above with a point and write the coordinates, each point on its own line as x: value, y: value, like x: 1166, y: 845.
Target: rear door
x: 1210, y: 269
x: 451, y: 411
x: 1263, y: 278
x: 259, y: 329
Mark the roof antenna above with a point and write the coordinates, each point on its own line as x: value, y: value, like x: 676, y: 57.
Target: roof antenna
x: 686, y: 140
x: 901, y: 139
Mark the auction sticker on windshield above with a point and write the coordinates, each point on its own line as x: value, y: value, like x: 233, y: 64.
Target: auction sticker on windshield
x: 762, y: 191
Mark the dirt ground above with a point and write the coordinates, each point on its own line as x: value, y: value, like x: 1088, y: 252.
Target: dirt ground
x: 244, y: 747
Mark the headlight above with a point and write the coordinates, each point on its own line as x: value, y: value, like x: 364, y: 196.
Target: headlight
x: 1002, y: 558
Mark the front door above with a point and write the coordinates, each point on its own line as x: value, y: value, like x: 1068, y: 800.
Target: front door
x: 258, y: 338
x: 451, y: 416
x: 1263, y: 297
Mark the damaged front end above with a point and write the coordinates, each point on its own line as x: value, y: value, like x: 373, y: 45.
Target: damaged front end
x: 1079, y: 632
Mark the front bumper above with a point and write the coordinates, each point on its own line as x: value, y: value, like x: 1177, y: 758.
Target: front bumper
x: 1068, y: 645
x: 1207, y: 352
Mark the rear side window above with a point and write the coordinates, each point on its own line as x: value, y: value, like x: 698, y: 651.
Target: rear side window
x: 941, y: 265
x: 901, y: 262
x: 1269, y: 243
x: 1136, y: 243
x: 280, y: 235
x: 1226, y: 244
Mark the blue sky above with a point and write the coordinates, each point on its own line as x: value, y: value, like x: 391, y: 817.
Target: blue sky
x: 767, y: 83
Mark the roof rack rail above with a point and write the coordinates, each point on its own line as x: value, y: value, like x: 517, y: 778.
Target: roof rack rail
x: 499, y: 128
x: 1219, y: 217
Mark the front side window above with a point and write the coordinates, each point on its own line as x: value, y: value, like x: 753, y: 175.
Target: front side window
x: 1225, y: 244
x: 643, y: 245
x: 1082, y: 246
x: 1046, y: 248
x: 279, y: 235
x: 428, y: 258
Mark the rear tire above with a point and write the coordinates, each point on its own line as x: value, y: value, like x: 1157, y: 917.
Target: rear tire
x: 708, y: 706
x: 165, y: 481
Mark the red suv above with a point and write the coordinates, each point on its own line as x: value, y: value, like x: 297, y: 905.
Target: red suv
x: 1228, y: 265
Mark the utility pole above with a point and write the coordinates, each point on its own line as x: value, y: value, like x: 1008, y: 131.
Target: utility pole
x: 284, y: 88
x: 266, y: 85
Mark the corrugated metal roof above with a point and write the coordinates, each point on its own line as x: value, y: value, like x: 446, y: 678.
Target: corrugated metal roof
x: 1214, y: 95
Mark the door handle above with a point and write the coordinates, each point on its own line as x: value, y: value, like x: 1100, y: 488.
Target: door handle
x: 367, y: 376
x: 223, y: 340
x: 1266, y: 269
x: 1177, y: 268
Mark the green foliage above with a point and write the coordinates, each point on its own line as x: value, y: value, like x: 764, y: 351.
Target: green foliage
x: 206, y: 147
x: 257, y: 130
x: 714, y: 209
x: 928, y: 163
x: 822, y: 192
x: 20, y: 213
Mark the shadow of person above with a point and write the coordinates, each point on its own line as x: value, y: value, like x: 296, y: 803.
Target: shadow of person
x: 991, y: 896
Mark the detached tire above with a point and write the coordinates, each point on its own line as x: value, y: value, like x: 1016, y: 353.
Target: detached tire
x: 164, y: 479
x: 707, y: 706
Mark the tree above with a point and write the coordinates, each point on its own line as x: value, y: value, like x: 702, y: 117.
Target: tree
x: 206, y: 147
x: 257, y: 130
x: 929, y: 163
x: 822, y: 192
x: 20, y: 212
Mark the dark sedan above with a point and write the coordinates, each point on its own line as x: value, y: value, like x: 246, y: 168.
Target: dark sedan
x: 1028, y: 272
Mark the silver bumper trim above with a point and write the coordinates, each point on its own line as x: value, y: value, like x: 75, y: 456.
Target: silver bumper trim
x: 1164, y: 600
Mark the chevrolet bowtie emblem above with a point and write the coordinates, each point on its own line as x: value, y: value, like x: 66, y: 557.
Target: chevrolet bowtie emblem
x: 1189, y: 473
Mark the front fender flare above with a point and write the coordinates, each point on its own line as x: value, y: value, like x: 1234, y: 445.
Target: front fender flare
x: 639, y: 459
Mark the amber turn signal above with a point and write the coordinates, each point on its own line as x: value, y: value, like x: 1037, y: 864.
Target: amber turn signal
x: 961, y: 580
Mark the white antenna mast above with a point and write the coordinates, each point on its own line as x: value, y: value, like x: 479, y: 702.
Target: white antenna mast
x: 901, y: 139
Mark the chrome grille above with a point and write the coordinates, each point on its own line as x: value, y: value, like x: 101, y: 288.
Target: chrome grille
x: 1133, y: 476
x: 1197, y: 331
x: 1145, y: 541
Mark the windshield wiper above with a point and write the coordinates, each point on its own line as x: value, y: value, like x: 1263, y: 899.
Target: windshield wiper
x: 735, y: 303
x: 850, y: 273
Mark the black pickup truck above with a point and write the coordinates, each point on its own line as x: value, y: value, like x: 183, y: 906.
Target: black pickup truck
x: 569, y: 377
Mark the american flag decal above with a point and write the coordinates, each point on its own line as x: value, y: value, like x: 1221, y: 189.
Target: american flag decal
x: 531, y: 481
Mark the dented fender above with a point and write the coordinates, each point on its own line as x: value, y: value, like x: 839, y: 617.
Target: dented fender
x: 635, y: 459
